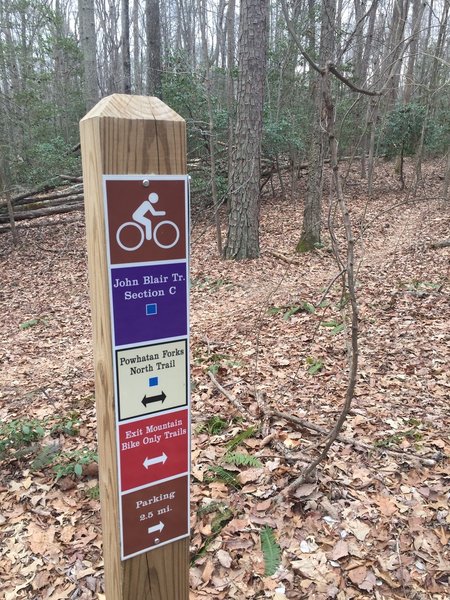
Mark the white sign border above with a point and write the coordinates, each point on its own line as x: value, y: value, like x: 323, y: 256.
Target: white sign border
x: 142, y: 177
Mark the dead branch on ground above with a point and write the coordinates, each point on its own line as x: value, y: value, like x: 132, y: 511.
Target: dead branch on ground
x: 48, y: 223
x: 286, y: 259
x: 407, y: 454
x: 44, y: 212
x: 270, y: 437
x: 443, y: 244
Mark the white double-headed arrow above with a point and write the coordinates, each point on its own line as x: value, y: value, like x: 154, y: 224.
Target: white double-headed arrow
x: 156, y: 528
x: 154, y: 461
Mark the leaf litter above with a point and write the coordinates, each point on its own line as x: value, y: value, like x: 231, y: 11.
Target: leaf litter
x: 375, y: 520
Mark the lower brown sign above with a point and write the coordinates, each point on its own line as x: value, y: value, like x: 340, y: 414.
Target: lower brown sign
x: 155, y: 515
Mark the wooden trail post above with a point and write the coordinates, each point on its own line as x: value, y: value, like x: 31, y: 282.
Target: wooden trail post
x: 135, y: 183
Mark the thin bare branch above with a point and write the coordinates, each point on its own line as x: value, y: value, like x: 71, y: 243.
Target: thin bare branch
x: 332, y: 68
x: 407, y: 454
x: 321, y: 70
x: 234, y: 401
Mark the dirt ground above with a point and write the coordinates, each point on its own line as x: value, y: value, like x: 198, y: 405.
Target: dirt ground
x: 372, y: 523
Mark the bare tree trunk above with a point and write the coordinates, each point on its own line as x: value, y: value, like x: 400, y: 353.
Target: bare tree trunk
x: 371, y: 123
x: 211, y: 145
x: 312, y: 214
x: 110, y: 72
x: 446, y: 190
x: 218, y: 52
x: 126, y: 60
x: 367, y: 52
x: 401, y: 167
x: 243, y: 227
x: 395, y: 49
x: 230, y: 82
x: 61, y: 120
x: 348, y: 273
x: 419, y: 152
x: 311, y: 42
x: 12, y: 222
x: 89, y: 49
x: 5, y: 183
x: 154, y: 60
x: 359, y: 77
x: 417, y: 14
x: 438, y: 54
x: 137, y: 54
x: 424, y: 43
x: 187, y: 29
x: 363, y: 51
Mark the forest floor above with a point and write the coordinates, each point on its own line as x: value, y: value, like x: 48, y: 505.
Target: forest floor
x: 373, y: 523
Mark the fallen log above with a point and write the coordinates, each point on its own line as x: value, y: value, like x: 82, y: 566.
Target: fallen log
x: 52, y: 196
x: 36, y: 205
x: 42, y: 187
x: 72, y: 178
x: 44, y: 212
x: 41, y: 223
x: 269, y: 166
x: 443, y: 244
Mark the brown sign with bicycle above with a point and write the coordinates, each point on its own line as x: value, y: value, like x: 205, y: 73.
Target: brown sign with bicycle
x: 146, y: 219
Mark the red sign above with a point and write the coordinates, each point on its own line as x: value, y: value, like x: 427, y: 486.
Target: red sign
x: 153, y: 449
x: 155, y: 515
x: 146, y: 219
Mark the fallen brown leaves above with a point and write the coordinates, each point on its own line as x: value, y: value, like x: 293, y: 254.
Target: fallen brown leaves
x: 370, y: 524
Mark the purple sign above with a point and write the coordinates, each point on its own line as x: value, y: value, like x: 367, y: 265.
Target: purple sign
x: 149, y: 302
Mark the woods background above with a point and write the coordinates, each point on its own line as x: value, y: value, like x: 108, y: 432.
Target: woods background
x: 205, y: 58
x: 276, y: 94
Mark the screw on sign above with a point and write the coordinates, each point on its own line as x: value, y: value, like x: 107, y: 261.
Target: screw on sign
x: 146, y: 226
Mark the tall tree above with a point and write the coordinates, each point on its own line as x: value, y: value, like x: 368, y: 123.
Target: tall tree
x: 439, y: 50
x: 186, y: 29
x: 89, y: 49
x: 126, y: 60
x: 211, y: 137
x: 231, y: 14
x: 368, y: 135
x: 311, y: 234
x: 137, y: 52
x: 362, y: 52
x: 109, y: 62
x: 154, y: 59
x: 243, y: 226
x: 395, y: 49
x: 324, y: 104
x: 417, y: 14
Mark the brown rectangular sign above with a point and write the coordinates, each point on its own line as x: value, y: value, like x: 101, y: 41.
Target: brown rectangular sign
x: 155, y: 515
x: 146, y: 223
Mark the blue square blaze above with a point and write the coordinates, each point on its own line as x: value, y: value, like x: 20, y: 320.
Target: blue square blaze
x: 151, y: 309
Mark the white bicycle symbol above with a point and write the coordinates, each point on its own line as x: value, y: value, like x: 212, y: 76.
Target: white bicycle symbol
x: 145, y: 226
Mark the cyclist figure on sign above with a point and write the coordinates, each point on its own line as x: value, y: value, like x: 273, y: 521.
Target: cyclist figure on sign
x: 165, y: 234
x: 140, y: 213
